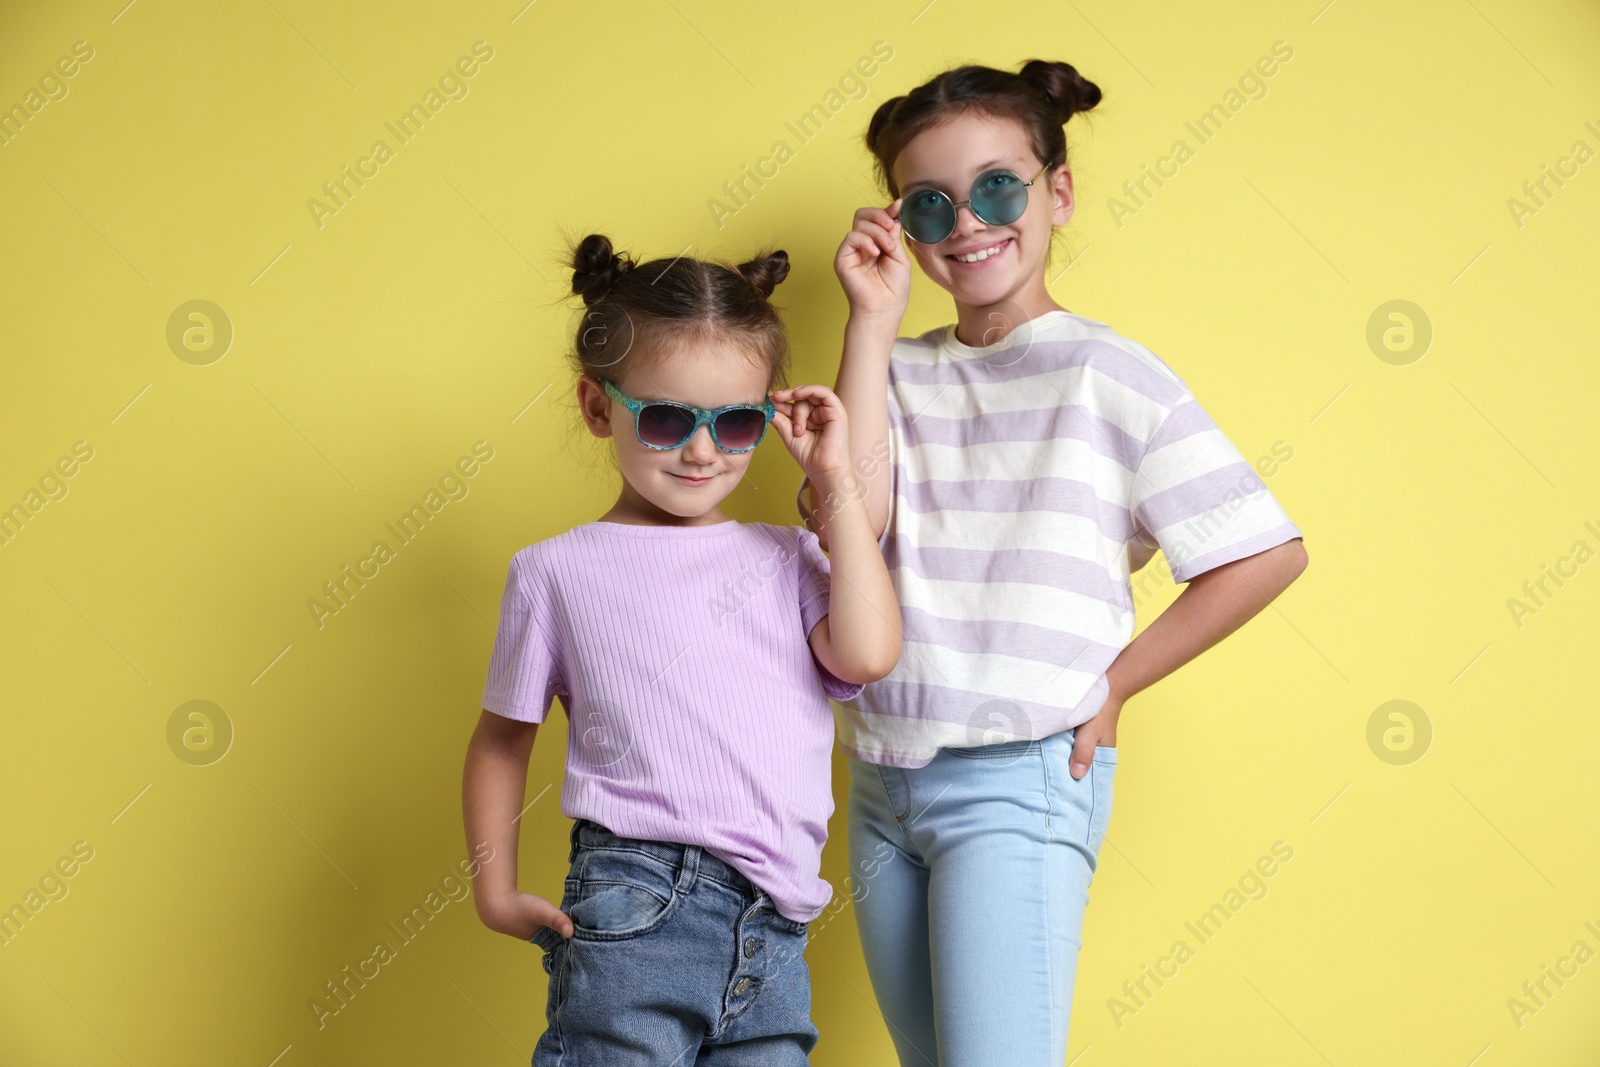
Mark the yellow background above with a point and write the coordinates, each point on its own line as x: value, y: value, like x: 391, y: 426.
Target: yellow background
x: 370, y: 353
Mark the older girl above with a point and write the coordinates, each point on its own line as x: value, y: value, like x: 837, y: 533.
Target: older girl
x: 1037, y: 457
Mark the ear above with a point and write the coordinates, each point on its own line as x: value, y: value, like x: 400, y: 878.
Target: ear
x: 1061, y: 191
x: 595, y: 406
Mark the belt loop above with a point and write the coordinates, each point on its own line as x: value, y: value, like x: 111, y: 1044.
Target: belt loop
x: 572, y: 835
x: 688, y: 868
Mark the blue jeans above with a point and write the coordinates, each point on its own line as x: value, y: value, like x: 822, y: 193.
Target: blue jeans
x: 675, y: 959
x: 972, y: 877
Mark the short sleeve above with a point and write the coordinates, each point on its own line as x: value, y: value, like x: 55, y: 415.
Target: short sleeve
x: 815, y: 590
x: 524, y: 668
x: 1198, y: 500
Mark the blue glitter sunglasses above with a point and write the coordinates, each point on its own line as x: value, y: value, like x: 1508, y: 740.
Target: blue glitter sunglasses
x: 667, y: 424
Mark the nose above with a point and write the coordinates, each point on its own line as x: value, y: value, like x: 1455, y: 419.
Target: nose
x: 701, y: 448
x: 967, y: 222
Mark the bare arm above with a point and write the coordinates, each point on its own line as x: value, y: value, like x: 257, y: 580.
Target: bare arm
x: 875, y: 272
x: 859, y: 639
x: 863, y: 387
x: 1211, y: 606
x: 492, y: 788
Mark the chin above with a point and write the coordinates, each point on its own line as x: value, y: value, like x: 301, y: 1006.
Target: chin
x: 982, y: 291
x: 688, y: 503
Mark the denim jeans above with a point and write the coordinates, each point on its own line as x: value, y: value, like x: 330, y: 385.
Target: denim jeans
x: 675, y: 959
x: 974, y: 873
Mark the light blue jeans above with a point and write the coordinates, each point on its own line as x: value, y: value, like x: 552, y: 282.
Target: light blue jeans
x: 972, y: 877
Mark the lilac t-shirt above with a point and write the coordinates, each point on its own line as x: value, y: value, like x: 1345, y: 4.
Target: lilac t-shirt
x: 696, y: 710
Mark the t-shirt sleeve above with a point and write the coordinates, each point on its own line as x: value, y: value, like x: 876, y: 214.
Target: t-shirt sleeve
x: 814, y: 595
x: 1198, y: 500
x: 525, y: 669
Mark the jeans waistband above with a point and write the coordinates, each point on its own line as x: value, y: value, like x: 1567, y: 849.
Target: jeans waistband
x: 590, y: 834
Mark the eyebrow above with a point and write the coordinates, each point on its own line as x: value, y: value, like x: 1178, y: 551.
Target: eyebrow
x: 986, y: 165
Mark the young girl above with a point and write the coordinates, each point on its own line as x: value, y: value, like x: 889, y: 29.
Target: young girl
x: 699, y: 732
x: 1037, y: 457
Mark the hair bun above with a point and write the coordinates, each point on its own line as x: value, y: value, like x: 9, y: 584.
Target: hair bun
x: 880, y: 119
x: 596, y: 268
x: 765, y: 272
x: 1061, y: 84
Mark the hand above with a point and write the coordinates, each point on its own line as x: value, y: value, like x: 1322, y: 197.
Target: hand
x: 812, y: 422
x: 522, y: 914
x: 873, y: 266
x: 1100, y: 730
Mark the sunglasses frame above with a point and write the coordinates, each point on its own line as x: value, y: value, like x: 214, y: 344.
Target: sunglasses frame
x: 955, y: 208
x: 702, y: 417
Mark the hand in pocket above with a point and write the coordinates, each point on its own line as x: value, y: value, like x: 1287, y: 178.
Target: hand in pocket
x: 522, y: 914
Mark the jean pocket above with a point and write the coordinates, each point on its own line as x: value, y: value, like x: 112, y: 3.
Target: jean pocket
x: 792, y: 926
x: 548, y: 940
x: 621, y: 893
x: 1102, y: 775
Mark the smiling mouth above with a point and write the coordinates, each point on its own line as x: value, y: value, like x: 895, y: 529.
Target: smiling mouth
x: 693, y: 481
x: 981, y: 254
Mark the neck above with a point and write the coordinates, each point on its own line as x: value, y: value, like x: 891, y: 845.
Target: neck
x: 981, y: 325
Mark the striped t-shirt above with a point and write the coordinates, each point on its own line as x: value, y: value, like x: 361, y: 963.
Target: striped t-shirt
x: 696, y: 710
x: 1029, y: 479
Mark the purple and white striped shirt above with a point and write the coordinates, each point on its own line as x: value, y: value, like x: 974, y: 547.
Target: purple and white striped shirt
x: 696, y: 710
x: 1029, y: 480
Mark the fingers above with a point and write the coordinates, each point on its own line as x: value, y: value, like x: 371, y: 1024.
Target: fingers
x: 861, y: 246
x: 1082, y: 754
x: 876, y: 215
x: 547, y: 914
x: 809, y: 407
x: 802, y: 417
x: 785, y: 428
x: 881, y: 227
x: 812, y: 396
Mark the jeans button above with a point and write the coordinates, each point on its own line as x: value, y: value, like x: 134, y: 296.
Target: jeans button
x: 750, y: 947
x: 740, y: 986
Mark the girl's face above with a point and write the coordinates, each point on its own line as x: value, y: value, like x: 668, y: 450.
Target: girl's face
x: 948, y: 157
x: 691, y: 481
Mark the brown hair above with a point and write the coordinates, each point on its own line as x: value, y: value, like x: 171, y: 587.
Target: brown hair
x: 1042, y: 96
x: 640, y: 311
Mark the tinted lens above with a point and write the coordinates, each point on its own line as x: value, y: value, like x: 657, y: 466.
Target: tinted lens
x: 664, y: 426
x: 999, y: 197
x: 928, y: 216
x: 740, y: 429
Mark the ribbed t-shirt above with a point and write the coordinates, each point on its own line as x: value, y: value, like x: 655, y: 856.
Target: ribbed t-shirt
x: 696, y: 710
x: 1029, y: 480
